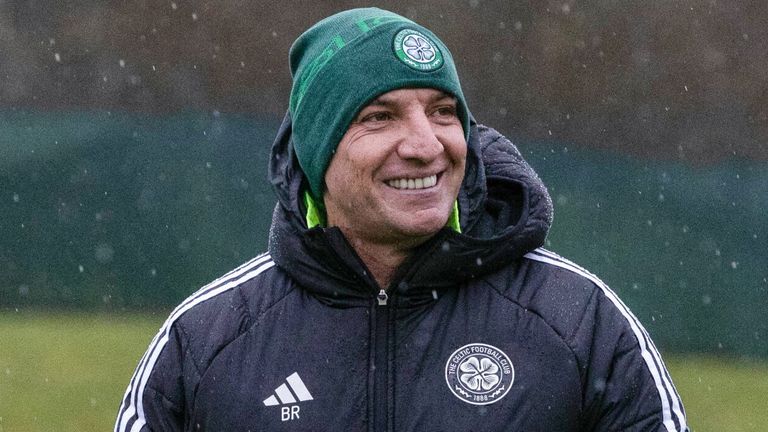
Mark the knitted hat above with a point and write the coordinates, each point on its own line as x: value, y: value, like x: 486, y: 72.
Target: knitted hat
x: 344, y: 62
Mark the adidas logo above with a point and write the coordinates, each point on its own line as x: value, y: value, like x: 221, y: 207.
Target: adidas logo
x: 284, y: 396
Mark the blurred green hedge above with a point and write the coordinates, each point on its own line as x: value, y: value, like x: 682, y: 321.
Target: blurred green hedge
x: 111, y: 211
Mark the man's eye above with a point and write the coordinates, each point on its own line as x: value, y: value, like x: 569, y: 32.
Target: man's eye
x: 376, y: 117
x: 446, y: 111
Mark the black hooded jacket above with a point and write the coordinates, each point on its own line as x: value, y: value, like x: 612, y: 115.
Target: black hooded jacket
x: 479, y: 331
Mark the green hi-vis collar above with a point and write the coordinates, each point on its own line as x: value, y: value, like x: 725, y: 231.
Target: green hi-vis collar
x: 316, y: 214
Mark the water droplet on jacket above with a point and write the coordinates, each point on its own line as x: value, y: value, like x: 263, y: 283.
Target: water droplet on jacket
x: 599, y: 384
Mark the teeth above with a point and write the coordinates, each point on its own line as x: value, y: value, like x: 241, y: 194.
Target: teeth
x: 419, y: 183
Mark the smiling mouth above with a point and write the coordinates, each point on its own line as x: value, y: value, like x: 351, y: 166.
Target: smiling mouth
x: 417, y: 183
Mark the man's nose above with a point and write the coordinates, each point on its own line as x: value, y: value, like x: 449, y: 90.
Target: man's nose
x: 420, y: 140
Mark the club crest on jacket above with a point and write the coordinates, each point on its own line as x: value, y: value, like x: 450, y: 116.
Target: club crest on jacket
x: 479, y: 374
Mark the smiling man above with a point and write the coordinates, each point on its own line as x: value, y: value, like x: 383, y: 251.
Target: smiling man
x: 405, y: 288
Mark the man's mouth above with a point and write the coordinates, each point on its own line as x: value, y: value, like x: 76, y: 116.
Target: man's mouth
x: 413, y: 183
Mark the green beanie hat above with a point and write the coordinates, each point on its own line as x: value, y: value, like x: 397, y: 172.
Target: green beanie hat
x: 344, y: 62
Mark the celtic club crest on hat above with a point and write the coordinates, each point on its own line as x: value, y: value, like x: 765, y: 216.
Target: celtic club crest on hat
x: 479, y: 374
x: 417, y: 51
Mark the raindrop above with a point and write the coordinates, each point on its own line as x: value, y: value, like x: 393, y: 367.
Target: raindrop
x: 15, y: 197
x: 194, y: 16
x: 434, y: 294
x: 153, y: 272
x: 80, y: 268
x: 479, y: 261
x: 706, y: 300
x: 685, y: 229
x: 174, y: 6
x: 57, y: 57
x: 208, y: 165
x: 445, y: 247
x: 734, y: 264
x: 518, y: 25
x: 121, y: 62
x: 566, y: 8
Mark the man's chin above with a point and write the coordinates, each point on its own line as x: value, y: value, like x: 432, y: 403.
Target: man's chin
x: 421, y: 228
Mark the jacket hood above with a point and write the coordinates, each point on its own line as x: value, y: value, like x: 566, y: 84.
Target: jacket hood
x: 505, y: 211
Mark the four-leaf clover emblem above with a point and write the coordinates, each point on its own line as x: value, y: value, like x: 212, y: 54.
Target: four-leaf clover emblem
x: 479, y: 374
x: 418, y: 48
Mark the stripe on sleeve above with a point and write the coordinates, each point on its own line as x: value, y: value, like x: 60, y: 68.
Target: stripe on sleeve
x: 650, y: 354
x: 131, y: 415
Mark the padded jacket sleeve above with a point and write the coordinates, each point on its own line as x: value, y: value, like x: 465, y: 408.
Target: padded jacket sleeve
x: 625, y: 382
x: 155, y: 400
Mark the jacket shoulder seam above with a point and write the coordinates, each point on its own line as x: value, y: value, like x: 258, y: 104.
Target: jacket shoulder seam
x: 542, y: 318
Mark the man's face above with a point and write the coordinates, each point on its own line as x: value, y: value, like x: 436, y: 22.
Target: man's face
x: 398, y: 168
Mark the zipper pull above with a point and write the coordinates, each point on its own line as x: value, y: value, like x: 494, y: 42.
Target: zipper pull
x: 382, y: 298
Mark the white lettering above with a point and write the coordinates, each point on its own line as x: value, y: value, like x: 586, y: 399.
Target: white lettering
x: 289, y: 413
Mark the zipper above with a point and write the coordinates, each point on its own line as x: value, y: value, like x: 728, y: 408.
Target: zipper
x: 380, y: 366
x: 382, y: 298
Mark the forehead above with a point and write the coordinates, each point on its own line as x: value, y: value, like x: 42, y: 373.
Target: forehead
x: 410, y: 95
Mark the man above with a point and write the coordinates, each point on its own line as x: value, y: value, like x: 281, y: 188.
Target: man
x: 404, y: 289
